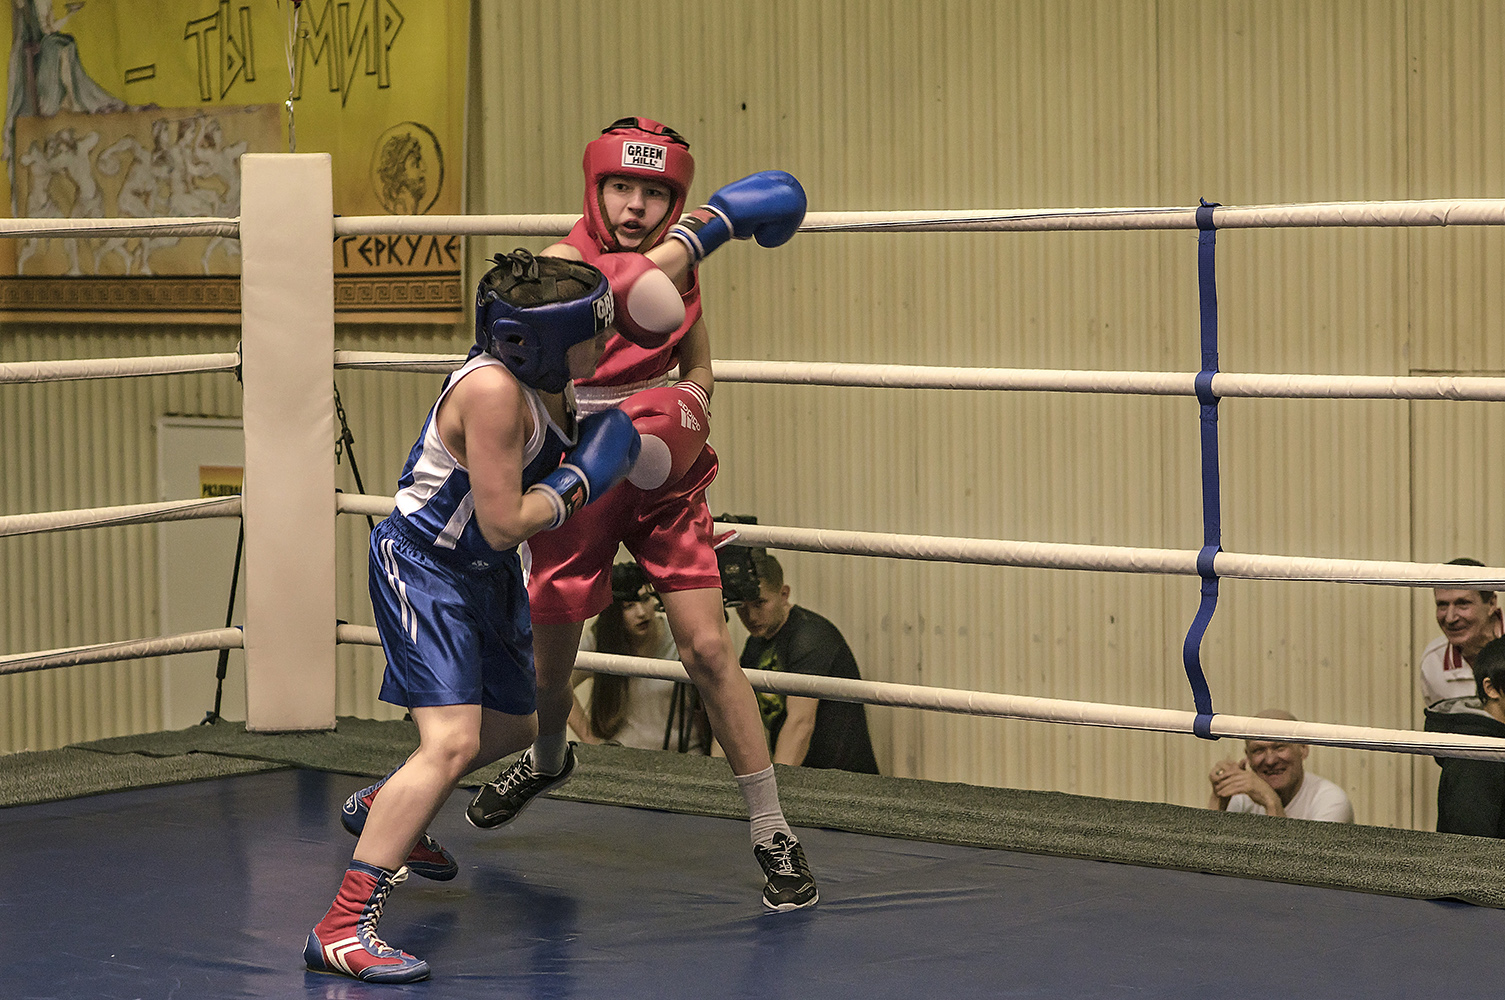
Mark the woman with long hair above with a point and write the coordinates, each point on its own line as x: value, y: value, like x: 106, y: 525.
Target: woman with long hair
x: 638, y: 712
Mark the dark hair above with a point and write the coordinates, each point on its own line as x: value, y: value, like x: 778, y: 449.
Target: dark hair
x: 627, y: 581
x: 770, y: 573
x: 1485, y: 595
x: 1490, y: 663
x: 608, y: 699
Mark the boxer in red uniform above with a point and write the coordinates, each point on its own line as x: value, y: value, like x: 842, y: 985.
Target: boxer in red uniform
x: 658, y: 369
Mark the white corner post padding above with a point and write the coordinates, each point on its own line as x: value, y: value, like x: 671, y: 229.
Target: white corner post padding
x: 287, y: 316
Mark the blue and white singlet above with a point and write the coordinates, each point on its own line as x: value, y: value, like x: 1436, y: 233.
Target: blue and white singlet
x: 433, y: 494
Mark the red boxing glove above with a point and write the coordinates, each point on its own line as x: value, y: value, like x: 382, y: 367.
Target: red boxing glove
x: 674, y: 423
x: 649, y: 307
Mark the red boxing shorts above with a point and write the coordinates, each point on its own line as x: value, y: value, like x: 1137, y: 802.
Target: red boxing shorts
x: 667, y: 530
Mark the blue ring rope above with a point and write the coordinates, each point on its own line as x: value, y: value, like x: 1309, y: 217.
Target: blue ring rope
x: 1212, y: 519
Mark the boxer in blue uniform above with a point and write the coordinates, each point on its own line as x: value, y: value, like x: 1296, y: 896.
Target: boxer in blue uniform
x: 501, y: 456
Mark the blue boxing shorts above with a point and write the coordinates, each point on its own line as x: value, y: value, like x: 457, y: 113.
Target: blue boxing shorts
x: 452, y: 635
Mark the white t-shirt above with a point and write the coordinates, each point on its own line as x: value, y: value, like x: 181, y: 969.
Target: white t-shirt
x: 1317, y: 798
x: 649, y: 700
x: 1445, y: 673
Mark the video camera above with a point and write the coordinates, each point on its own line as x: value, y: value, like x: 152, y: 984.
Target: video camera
x: 739, y: 572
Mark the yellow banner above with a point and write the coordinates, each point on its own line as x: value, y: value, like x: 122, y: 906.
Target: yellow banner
x: 141, y: 108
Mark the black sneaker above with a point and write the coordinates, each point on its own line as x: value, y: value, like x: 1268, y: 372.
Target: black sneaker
x: 498, y: 802
x: 790, y: 884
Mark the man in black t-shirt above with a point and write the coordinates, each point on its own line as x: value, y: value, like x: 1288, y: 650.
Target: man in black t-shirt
x: 784, y: 636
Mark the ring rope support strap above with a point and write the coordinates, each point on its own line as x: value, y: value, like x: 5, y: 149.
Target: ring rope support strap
x: 1212, y: 520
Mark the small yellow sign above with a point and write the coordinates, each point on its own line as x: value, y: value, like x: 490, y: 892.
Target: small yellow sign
x: 220, y: 480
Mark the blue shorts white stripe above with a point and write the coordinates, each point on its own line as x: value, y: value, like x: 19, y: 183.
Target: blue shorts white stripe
x: 453, y: 636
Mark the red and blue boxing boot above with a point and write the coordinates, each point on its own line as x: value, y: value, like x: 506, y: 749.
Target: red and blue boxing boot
x: 427, y: 860
x: 345, y: 942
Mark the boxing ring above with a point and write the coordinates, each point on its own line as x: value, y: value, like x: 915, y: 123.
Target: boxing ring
x: 546, y: 893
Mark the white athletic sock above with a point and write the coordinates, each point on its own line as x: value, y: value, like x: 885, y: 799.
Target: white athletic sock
x: 765, y: 816
x: 548, y: 752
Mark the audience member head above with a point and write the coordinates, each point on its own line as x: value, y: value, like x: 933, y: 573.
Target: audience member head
x: 1466, y: 617
x: 764, y: 616
x: 1489, y: 675
x: 628, y: 626
x: 632, y: 616
x: 1281, y: 765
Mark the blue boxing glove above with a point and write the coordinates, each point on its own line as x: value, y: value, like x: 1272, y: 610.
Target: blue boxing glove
x: 767, y: 206
x: 608, y: 446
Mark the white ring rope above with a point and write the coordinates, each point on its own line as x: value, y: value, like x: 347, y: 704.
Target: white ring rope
x: 454, y: 225
x: 1438, y: 212
x: 131, y: 649
x: 1060, y: 555
x: 1116, y: 559
x: 357, y: 635
x: 111, y: 517
x: 364, y: 503
x: 172, y: 226
x: 392, y: 361
x: 1004, y: 706
x: 102, y: 517
x: 1453, y: 387
x: 91, y: 368
x: 1433, y: 212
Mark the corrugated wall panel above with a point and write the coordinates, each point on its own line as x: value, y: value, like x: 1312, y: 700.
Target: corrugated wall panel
x: 1459, y: 87
x: 88, y: 444
x: 982, y: 105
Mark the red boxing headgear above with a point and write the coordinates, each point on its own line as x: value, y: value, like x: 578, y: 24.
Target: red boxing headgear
x: 636, y: 147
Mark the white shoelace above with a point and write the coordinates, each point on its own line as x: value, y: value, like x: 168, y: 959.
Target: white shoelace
x: 369, y: 920
x: 783, y: 853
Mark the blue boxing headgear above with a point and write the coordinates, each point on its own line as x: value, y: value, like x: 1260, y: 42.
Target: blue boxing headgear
x: 531, y: 310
